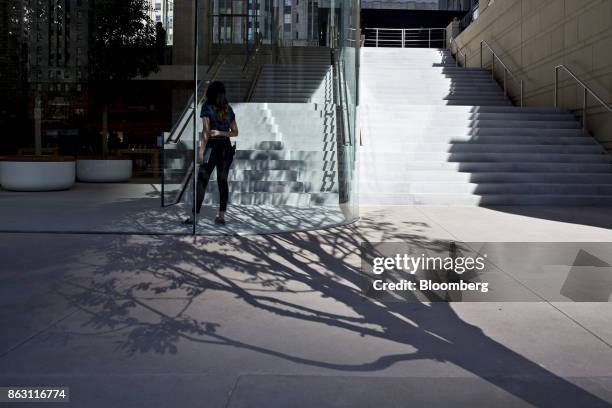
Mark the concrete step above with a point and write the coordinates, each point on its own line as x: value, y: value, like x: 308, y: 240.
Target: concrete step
x: 411, y: 117
x: 276, y: 199
x: 402, y: 108
x: 476, y: 147
x: 310, y: 175
x: 486, y: 188
x: 391, y: 170
x: 489, y: 200
x: 278, y: 82
x: 482, y: 157
x: 279, y: 99
x: 435, y: 176
x: 450, y: 125
x: 393, y: 145
x: 283, y: 165
x: 264, y: 186
x: 391, y: 133
x: 283, y: 92
x: 311, y: 155
x: 455, y: 102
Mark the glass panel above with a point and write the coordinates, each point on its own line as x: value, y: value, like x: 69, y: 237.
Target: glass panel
x: 295, y: 109
x: 95, y: 98
x: 108, y: 126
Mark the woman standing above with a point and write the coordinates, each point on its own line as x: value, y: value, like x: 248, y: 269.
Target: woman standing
x: 215, y: 148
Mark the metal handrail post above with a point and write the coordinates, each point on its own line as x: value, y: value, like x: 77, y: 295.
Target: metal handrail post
x: 556, y: 87
x: 429, y: 44
x: 505, y: 83
x: 584, y: 110
x: 481, y: 55
x: 377, y: 38
x: 586, y: 90
x: 403, y: 37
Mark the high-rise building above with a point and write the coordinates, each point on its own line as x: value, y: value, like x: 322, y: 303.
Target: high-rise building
x: 57, y: 42
x: 294, y: 21
x: 11, y: 54
x: 162, y: 11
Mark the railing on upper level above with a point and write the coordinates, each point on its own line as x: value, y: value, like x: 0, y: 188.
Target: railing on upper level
x: 586, y: 91
x: 507, y: 71
x: 405, y: 37
x: 458, y: 53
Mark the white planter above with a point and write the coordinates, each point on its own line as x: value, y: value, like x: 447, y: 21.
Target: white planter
x: 104, y: 171
x: 37, y: 175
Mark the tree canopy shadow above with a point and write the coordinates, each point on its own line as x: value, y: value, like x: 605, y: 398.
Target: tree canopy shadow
x: 255, y: 270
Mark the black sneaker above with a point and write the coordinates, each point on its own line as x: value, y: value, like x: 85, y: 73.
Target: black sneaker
x: 188, y: 221
x: 220, y: 221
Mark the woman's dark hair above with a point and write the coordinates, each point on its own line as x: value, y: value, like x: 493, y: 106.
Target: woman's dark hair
x: 215, y: 97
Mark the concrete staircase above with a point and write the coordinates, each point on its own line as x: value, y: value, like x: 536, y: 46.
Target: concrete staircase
x: 304, y: 75
x: 435, y: 134
x: 286, y: 155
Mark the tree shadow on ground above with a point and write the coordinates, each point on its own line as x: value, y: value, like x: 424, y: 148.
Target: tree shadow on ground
x: 260, y: 271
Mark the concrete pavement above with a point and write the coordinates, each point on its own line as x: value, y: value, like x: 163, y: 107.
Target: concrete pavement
x: 279, y: 320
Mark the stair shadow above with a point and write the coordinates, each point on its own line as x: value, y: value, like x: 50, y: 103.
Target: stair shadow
x: 486, y: 189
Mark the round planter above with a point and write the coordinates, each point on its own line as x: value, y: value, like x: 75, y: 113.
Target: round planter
x: 21, y: 174
x: 104, y: 170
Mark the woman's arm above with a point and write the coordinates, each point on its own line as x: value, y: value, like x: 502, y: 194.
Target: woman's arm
x: 233, y: 132
x: 204, y: 139
x: 207, y: 132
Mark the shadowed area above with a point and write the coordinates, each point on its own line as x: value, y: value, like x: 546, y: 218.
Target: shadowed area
x: 287, y: 305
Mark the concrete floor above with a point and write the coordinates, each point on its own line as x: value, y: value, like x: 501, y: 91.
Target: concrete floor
x: 279, y: 320
x: 135, y: 208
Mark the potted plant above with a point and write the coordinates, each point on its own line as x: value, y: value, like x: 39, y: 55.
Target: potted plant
x: 123, y: 45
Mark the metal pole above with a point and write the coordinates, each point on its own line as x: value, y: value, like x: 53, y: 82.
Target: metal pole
x: 505, y: 82
x: 377, y: 38
x: 403, y: 37
x: 556, y: 87
x: 480, y: 55
x: 493, y: 67
x: 429, y: 46
x: 195, y: 109
x: 522, y: 86
x: 584, y: 110
x: 465, y: 60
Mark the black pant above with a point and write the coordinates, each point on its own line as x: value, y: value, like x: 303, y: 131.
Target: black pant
x: 221, y: 158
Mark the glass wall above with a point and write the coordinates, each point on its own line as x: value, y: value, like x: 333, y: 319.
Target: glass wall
x: 98, y: 102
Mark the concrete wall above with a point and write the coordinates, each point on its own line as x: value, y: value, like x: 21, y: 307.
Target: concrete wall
x: 533, y: 36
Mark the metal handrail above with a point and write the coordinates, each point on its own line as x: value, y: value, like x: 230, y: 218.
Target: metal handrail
x: 586, y: 90
x: 459, y: 52
x: 253, y: 85
x: 183, y: 122
x: 506, y: 69
x: 403, y: 39
x: 251, y: 57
